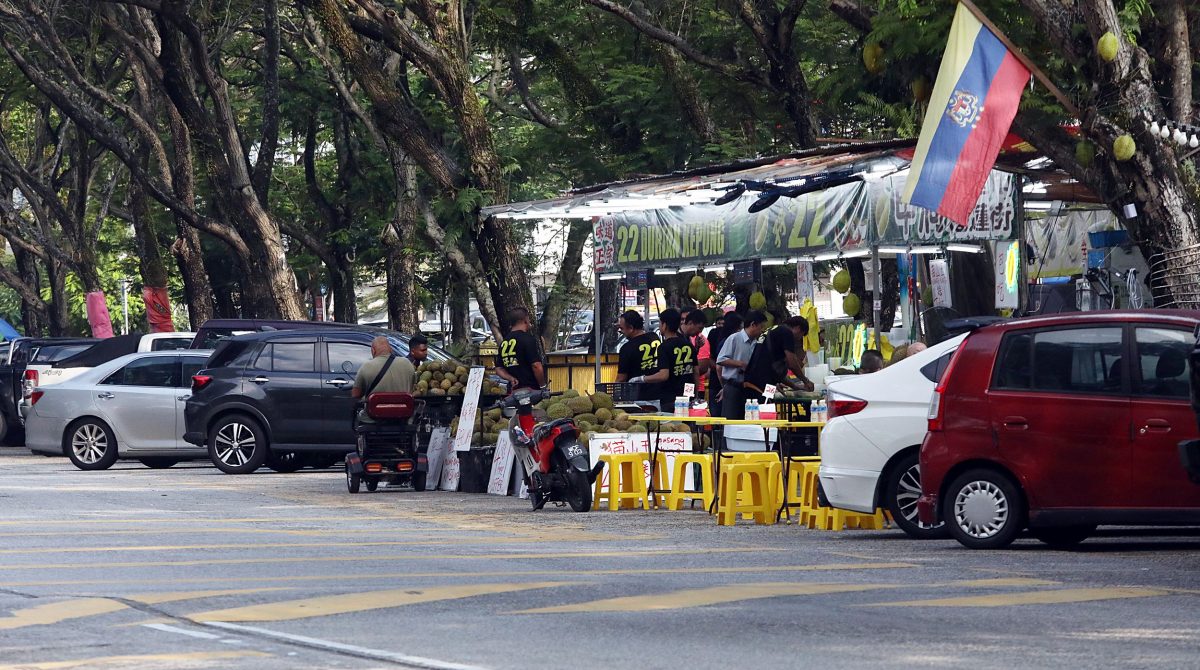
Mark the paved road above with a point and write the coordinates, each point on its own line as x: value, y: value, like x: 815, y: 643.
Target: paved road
x: 189, y: 568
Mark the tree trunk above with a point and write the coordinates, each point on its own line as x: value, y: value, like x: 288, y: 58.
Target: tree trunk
x: 460, y: 315
x: 341, y: 288
x: 33, y: 313
x: 197, y: 289
x: 60, y: 322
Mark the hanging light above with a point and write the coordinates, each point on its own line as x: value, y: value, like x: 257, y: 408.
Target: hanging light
x: 1165, y: 132
x: 1194, y: 142
x: 1181, y: 138
x: 731, y: 193
x: 1154, y: 127
x: 764, y: 201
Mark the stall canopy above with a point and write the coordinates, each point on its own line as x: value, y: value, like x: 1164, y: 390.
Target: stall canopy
x: 830, y: 202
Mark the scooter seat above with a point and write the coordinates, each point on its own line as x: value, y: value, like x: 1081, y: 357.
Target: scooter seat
x: 541, y: 431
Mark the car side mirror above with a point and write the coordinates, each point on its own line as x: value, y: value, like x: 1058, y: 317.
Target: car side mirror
x: 348, y: 367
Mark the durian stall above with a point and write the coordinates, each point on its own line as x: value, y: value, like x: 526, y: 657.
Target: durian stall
x: 825, y: 204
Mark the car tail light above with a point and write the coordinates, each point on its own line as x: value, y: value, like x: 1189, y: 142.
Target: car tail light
x: 840, y: 405
x: 36, y: 396
x: 199, y: 382
x: 31, y: 380
x: 936, y: 416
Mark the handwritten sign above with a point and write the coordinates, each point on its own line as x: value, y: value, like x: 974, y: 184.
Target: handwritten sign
x: 689, y: 390
x: 466, y: 420
x: 451, y: 471
x: 939, y: 280
x: 631, y: 443
x: 804, y: 282
x: 502, y: 465
x: 439, y: 444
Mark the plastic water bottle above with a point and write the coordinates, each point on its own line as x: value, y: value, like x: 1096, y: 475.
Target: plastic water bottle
x: 753, y: 413
x: 681, y: 405
x: 747, y: 409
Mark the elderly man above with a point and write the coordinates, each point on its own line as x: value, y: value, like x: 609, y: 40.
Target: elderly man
x: 385, y: 373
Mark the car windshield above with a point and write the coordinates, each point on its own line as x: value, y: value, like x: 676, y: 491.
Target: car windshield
x: 51, y: 353
x: 214, y: 335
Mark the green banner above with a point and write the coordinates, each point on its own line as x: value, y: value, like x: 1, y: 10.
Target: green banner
x: 843, y: 218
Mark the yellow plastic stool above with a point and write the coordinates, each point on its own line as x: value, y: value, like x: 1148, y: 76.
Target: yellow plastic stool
x: 812, y: 515
x: 754, y: 480
x: 768, y: 457
x: 626, y: 481
x: 674, y: 499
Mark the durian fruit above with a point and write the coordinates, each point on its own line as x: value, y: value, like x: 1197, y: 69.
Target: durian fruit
x: 558, y: 411
x: 841, y: 281
x: 602, y: 401
x: 851, y: 304
x: 579, y: 405
x: 694, y: 287
x: 1124, y: 148
x: 1107, y: 47
x: 570, y: 393
x: 1085, y: 153
x: 758, y: 300
x: 873, y: 58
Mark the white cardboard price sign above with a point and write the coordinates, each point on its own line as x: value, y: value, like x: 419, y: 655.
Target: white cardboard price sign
x: 689, y: 390
x: 439, y: 444
x: 502, y: 465
x: 466, y: 420
x: 769, y: 390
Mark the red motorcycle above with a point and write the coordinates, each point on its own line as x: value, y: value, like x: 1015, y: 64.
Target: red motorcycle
x: 560, y: 468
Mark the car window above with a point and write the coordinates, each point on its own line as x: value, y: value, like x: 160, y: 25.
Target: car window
x: 157, y: 372
x: 353, y: 353
x: 293, y: 356
x: 52, y: 353
x: 191, y: 366
x: 1162, y: 357
x: 933, y: 370
x: 1071, y: 360
x: 170, y: 343
x: 5, y: 349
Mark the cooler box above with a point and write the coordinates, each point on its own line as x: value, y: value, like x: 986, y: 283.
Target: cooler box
x: 748, y: 438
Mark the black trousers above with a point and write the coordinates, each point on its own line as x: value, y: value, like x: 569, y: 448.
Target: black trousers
x: 733, y: 402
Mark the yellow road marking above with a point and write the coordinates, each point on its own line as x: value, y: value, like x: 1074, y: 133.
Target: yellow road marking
x: 1055, y: 597
x: 488, y: 573
x: 186, y: 520
x: 290, y: 610
x: 77, y: 608
x: 713, y: 595
x: 51, y: 613
x: 391, y: 558
x: 196, y: 656
x: 1004, y: 581
x: 176, y: 596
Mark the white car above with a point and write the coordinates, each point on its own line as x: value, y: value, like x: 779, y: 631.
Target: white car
x: 130, y: 407
x: 74, y: 362
x: 871, y: 442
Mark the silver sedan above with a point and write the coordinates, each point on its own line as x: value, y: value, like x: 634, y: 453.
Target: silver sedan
x: 130, y: 407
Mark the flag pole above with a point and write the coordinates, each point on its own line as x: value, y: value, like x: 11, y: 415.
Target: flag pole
x: 1020, y: 56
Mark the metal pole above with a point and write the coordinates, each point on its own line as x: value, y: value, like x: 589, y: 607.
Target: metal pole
x: 877, y: 295
x: 597, y: 330
x: 125, y: 306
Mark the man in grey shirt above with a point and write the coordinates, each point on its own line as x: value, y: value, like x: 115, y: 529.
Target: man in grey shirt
x: 397, y: 379
x: 732, y: 360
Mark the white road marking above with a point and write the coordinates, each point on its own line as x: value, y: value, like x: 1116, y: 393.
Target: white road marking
x: 363, y: 652
x: 182, y: 631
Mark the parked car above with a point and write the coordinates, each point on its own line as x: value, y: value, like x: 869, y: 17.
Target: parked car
x: 269, y: 396
x: 215, y: 330
x: 130, y: 407
x: 871, y: 443
x: 15, y: 358
x: 47, y: 373
x: 1061, y: 424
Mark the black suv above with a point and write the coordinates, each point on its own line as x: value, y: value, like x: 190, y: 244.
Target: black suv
x: 281, y: 397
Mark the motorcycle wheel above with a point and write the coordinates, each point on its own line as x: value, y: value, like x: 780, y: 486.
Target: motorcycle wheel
x: 372, y: 484
x: 579, y: 493
x: 353, y: 481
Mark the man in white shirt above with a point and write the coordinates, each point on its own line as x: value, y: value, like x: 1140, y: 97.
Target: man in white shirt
x: 732, y: 360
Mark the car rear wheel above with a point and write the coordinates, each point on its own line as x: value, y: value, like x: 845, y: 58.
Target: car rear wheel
x: 984, y: 509
x: 237, y: 445
x: 418, y: 481
x: 901, y: 491
x: 91, y: 445
x: 1063, y: 536
x: 158, y: 463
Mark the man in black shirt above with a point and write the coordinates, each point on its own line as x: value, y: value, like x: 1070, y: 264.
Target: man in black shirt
x: 639, y: 354
x: 520, y: 359
x: 676, y: 360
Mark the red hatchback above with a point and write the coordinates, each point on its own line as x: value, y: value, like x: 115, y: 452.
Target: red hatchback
x: 1060, y: 424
